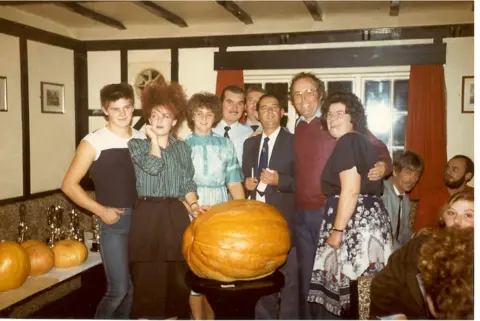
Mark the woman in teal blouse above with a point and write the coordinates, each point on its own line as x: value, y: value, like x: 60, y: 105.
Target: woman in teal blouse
x: 216, y: 168
x: 167, y: 193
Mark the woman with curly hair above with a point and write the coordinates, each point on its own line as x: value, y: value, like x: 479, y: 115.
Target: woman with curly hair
x: 167, y: 194
x: 355, y: 236
x: 431, y: 277
x: 216, y: 168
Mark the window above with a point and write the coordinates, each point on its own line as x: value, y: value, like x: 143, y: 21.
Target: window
x: 383, y: 91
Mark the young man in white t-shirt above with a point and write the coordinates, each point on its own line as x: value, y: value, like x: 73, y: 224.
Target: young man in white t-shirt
x: 105, y: 154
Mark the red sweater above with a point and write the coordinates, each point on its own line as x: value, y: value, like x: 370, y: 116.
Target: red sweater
x: 313, y: 147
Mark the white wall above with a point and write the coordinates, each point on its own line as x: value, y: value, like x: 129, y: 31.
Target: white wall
x: 11, y: 169
x: 52, y: 136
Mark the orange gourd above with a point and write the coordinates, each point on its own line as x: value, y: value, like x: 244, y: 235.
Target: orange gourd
x: 14, y: 265
x: 41, y: 256
x: 69, y: 253
x: 237, y: 240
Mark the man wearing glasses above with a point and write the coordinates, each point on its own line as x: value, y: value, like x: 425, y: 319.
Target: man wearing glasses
x: 313, y: 146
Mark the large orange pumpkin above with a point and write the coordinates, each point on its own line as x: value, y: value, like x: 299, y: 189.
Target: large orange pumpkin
x: 41, y: 256
x: 69, y: 253
x: 237, y: 240
x: 14, y: 265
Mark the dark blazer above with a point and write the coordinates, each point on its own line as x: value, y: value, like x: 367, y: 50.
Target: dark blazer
x: 283, y: 161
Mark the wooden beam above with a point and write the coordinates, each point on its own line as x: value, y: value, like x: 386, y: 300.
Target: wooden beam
x: 236, y: 11
x: 394, y: 8
x: 83, y: 11
x: 332, y: 57
x: 314, y: 10
x: 19, y: 3
x: 162, y: 12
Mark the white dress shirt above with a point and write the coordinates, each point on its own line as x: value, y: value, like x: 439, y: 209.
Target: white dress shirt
x: 273, y: 137
x: 238, y: 133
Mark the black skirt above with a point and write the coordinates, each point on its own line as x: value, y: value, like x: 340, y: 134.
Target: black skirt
x: 156, y: 230
x: 158, y: 268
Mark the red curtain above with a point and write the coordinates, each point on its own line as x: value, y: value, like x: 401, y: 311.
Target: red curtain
x: 229, y: 77
x: 426, y: 124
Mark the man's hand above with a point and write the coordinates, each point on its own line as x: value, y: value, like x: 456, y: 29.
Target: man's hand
x: 110, y: 215
x: 269, y: 177
x: 377, y: 172
x: 251, y: 183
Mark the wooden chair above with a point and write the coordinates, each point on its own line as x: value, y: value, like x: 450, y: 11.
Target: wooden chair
x: 359, y: 299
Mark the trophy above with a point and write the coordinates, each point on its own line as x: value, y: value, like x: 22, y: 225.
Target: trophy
x: 22, y: 227
x: 54, y: 221
x: 96, y: 234
x: 73, y: 230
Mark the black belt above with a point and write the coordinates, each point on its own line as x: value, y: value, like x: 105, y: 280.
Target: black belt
x: 156, y: 198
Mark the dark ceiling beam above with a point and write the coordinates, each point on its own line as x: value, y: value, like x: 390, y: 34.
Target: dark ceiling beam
x: 236, y: 11
x: 394, y: 8
x: 314, y: 10
x: 18, y: 3
x: 93, y: 15
x: 162, y: 12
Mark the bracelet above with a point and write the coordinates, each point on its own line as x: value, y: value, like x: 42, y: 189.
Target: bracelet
x: 337, y: 230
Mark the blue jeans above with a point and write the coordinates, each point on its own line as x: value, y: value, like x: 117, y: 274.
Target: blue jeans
x: 117, y: 301
x: 307, y: 229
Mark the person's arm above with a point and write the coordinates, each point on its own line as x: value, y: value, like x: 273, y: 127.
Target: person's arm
x: 146, y: 155
x: 250, y: 181
x: 233, y: 172
x: 350, y: 188
x: 80, y: 165
x: 383, y: 167
x: 236, y: 189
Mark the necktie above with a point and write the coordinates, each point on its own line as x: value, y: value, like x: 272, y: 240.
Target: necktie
x: 397, y: 232
x: 254, y: 127
x: 263, y: 163
x: 227, y: 128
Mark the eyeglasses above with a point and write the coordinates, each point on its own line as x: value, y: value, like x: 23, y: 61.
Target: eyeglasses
x: 339, y: 113
x: 307, y: 93
x: 203, y: 115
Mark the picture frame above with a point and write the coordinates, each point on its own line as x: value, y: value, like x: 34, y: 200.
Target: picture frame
x: 3, y: 94
x: 52, y: 97
x: 468, y: 94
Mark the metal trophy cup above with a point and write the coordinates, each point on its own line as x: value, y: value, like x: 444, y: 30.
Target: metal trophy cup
x: 73, y: 230
x: 22, y: 227
x: 54, y: 221
x: 96, y: 234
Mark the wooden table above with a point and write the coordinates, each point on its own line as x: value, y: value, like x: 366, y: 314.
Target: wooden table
x: 235, y: 300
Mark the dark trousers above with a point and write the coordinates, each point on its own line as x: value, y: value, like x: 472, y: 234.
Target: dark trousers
x: 266, y: 308
x: 307, y: 229
x: 117, y: 301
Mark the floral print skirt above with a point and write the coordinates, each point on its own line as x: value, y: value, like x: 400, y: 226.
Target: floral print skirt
x: 365, y: 248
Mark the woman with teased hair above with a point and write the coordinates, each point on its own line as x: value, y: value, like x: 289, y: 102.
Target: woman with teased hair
x: 166, y: 196
x: 432, y: 275
x: 216, y: 168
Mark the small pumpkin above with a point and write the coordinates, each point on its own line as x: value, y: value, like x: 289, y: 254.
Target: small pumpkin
x: 69, y: 253
x: 41, y: 256
x: 237, y: 240
x: 14, y: 265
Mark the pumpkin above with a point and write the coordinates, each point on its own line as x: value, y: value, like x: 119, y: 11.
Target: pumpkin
x: 237, y: 240
x: 14, y: 265
x: 41, y: 256
x: 69, y: 253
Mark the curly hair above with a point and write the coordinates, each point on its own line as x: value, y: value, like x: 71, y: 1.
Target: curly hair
x: 171, y: 96
x: 353, y: 107
x: 446, y: 269
x: 204, y: 100
x: 319, y: 85
x: 460, y: 196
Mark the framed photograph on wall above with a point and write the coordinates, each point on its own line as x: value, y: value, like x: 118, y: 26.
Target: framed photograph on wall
x: 52, y: 96
x: 468, y: 94
x: 3, y: 94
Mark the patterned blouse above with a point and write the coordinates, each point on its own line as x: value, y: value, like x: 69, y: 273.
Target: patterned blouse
x: 216, y: 165
x: 168, y: 176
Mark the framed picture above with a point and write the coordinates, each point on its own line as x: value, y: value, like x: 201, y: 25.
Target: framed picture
x: 468, y: 94
x: 52, y: 96
x: 3, y: 94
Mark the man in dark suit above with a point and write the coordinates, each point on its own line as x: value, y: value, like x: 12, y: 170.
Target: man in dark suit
x: 269, y: 169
